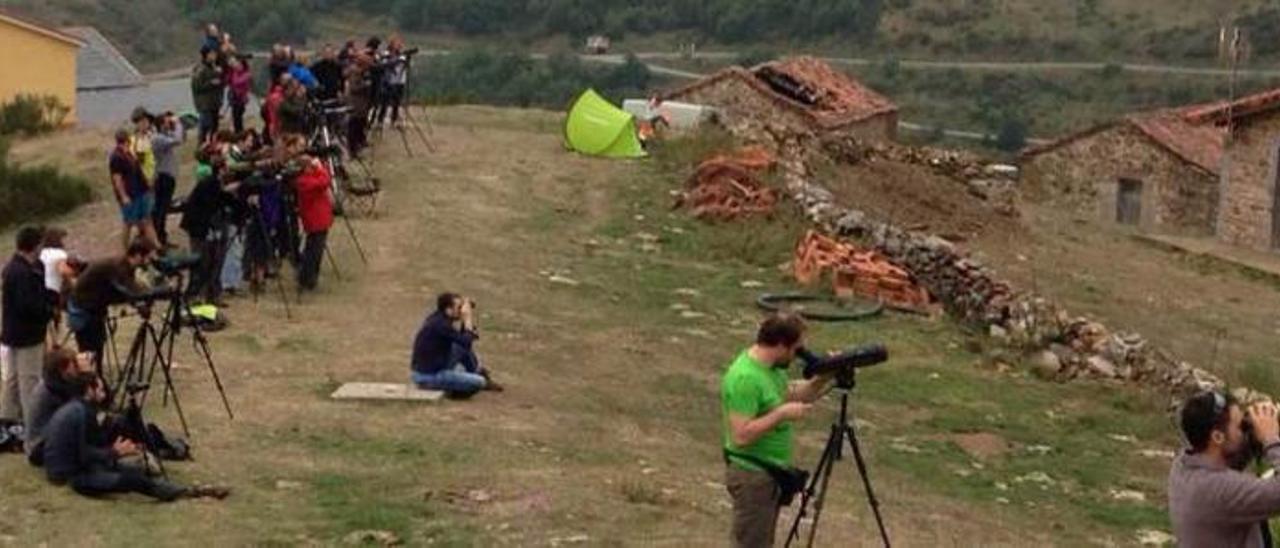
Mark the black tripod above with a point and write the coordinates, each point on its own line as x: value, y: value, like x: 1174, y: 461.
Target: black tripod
x: 816, y: 491
x: 410, y: 122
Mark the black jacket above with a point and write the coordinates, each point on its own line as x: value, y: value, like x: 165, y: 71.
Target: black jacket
x: 25, y: 303
x: 71, y: 442
x: 329, y: 74
x: 205, y: 208
x: 434, y: 342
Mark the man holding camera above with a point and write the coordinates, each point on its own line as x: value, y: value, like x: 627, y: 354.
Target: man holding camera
x: 1211, y: 501
x: 443, y: 354
x: 759, y: 405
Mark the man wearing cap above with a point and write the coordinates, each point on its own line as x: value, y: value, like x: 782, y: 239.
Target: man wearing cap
x: 130, y: 188
x: 1212, y: 503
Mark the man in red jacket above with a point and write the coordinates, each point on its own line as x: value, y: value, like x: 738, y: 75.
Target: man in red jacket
x: 315, y: 208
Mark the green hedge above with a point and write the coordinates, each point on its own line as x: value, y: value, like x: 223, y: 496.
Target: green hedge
x: 35, y: 193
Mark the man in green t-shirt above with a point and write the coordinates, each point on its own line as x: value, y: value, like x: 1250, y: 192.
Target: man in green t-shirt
x: 759, y: 405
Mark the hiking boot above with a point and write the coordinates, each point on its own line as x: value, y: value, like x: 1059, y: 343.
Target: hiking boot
x: 493, y: 386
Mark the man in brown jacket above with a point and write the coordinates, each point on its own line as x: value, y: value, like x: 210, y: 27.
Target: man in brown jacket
x: 1211, y: 502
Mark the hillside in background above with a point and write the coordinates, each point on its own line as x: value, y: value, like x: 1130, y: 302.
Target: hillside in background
x: 1174, y: 31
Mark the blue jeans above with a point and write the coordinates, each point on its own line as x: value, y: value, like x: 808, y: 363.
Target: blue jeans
x: 460, y: 378
x: 233, y: 266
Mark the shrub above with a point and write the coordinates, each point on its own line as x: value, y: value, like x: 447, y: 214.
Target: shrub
x: 33, y: 193
x: 32, y: 115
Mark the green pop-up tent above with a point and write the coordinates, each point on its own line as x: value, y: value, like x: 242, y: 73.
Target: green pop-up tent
x: 596, y: 127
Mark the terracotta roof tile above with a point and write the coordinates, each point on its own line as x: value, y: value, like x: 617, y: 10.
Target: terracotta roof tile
x: 1179, y: 131
x: 840, y: 99
x: 1244, y: 106
x: 1198, y: 143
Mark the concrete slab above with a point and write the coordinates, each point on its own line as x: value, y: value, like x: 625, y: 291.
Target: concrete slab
x: 385, y: 392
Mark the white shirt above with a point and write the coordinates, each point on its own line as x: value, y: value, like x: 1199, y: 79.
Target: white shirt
x: 52, y: 258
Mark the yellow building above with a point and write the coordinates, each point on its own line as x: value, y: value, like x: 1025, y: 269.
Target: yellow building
x: 37, y: 60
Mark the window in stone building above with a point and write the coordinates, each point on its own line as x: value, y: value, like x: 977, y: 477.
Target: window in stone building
x: 1129, y: 201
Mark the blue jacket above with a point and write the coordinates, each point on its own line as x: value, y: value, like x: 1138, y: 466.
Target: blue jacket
x: 303, y: 75
x: 434, y: 341
x: 71, y: 442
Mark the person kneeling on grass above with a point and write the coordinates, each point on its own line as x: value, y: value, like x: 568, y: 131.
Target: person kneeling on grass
x: 443, y: 357
x: 73, y: 456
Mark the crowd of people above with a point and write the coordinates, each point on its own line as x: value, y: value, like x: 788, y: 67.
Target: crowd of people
x: 262, y: 198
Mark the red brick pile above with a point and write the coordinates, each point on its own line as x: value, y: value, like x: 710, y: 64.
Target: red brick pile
x: 728, y: 187
x: 856, y: 271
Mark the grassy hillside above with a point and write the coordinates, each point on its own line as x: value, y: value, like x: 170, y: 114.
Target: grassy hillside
x: 608, y: 430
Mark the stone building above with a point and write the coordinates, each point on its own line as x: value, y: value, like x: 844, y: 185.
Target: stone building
x: 1249, y: 213
x: 38, y: 61
x: 1157, y: 171
x: 798, y: 96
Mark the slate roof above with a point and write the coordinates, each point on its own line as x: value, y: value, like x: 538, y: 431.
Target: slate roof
x: 100, y: 65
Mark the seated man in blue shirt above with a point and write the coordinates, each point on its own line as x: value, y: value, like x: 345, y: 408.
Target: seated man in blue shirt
x: 443, y: 357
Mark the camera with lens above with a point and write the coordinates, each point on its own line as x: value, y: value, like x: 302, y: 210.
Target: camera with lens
x: 174, y: 263
x: 842, y: 364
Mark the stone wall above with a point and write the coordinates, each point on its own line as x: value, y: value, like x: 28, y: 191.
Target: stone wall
x: 1177, y: 197
x: 1248, y: 183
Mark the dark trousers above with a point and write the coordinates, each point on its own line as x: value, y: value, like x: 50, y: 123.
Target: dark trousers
x: 237, y: 116
x: 206, y: 277
x: 208, y: 124
x: 100, y: 481
x: 165, y: 186
x: 312, y: 255
x: 392, y: 98
x: 357, y: 132
x: 91, y: 335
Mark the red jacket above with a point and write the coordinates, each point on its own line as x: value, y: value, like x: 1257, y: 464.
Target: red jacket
x: 271, y: 111
x: 315, y: 206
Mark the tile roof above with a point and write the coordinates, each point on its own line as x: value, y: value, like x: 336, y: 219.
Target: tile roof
x: 840, y: 98
x: 1245, y: 106
x: 1178, y: 130
x: 99, y: 65
x: 837, y: 99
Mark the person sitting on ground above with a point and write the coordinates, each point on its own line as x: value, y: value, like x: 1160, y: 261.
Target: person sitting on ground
x: 1211, y: 501
x: 61, y: 366
x: 104, y: 283
x: 443, y: 354
x: 74, y: 456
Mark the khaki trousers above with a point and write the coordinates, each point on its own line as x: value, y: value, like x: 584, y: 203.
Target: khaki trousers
x: 19, y: 373
x: 755, y: 507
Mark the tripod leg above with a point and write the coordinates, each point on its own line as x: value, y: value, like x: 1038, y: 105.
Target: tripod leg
x: 866, y: 484
x: 405, y: 140
x: 821, y: 499
x: 332, y: 262
x: 165, y: 340
x: 202, y: 347
x: 355, y: 240
x: 820, y: 472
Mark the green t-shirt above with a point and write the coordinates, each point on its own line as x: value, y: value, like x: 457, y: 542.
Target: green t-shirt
x: 751, y: 388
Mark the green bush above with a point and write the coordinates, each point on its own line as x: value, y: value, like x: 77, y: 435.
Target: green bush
x: 513, y: 79
x: 32, y: 115
x: 34, y: 193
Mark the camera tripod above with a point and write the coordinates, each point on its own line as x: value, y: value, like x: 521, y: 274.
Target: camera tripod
x: 140, y: 366
x: 267, y: 246
x: 816, y: 491
x: 405, y: 109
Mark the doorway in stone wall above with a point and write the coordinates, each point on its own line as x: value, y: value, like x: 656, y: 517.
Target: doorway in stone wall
x: 1129, y: 201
